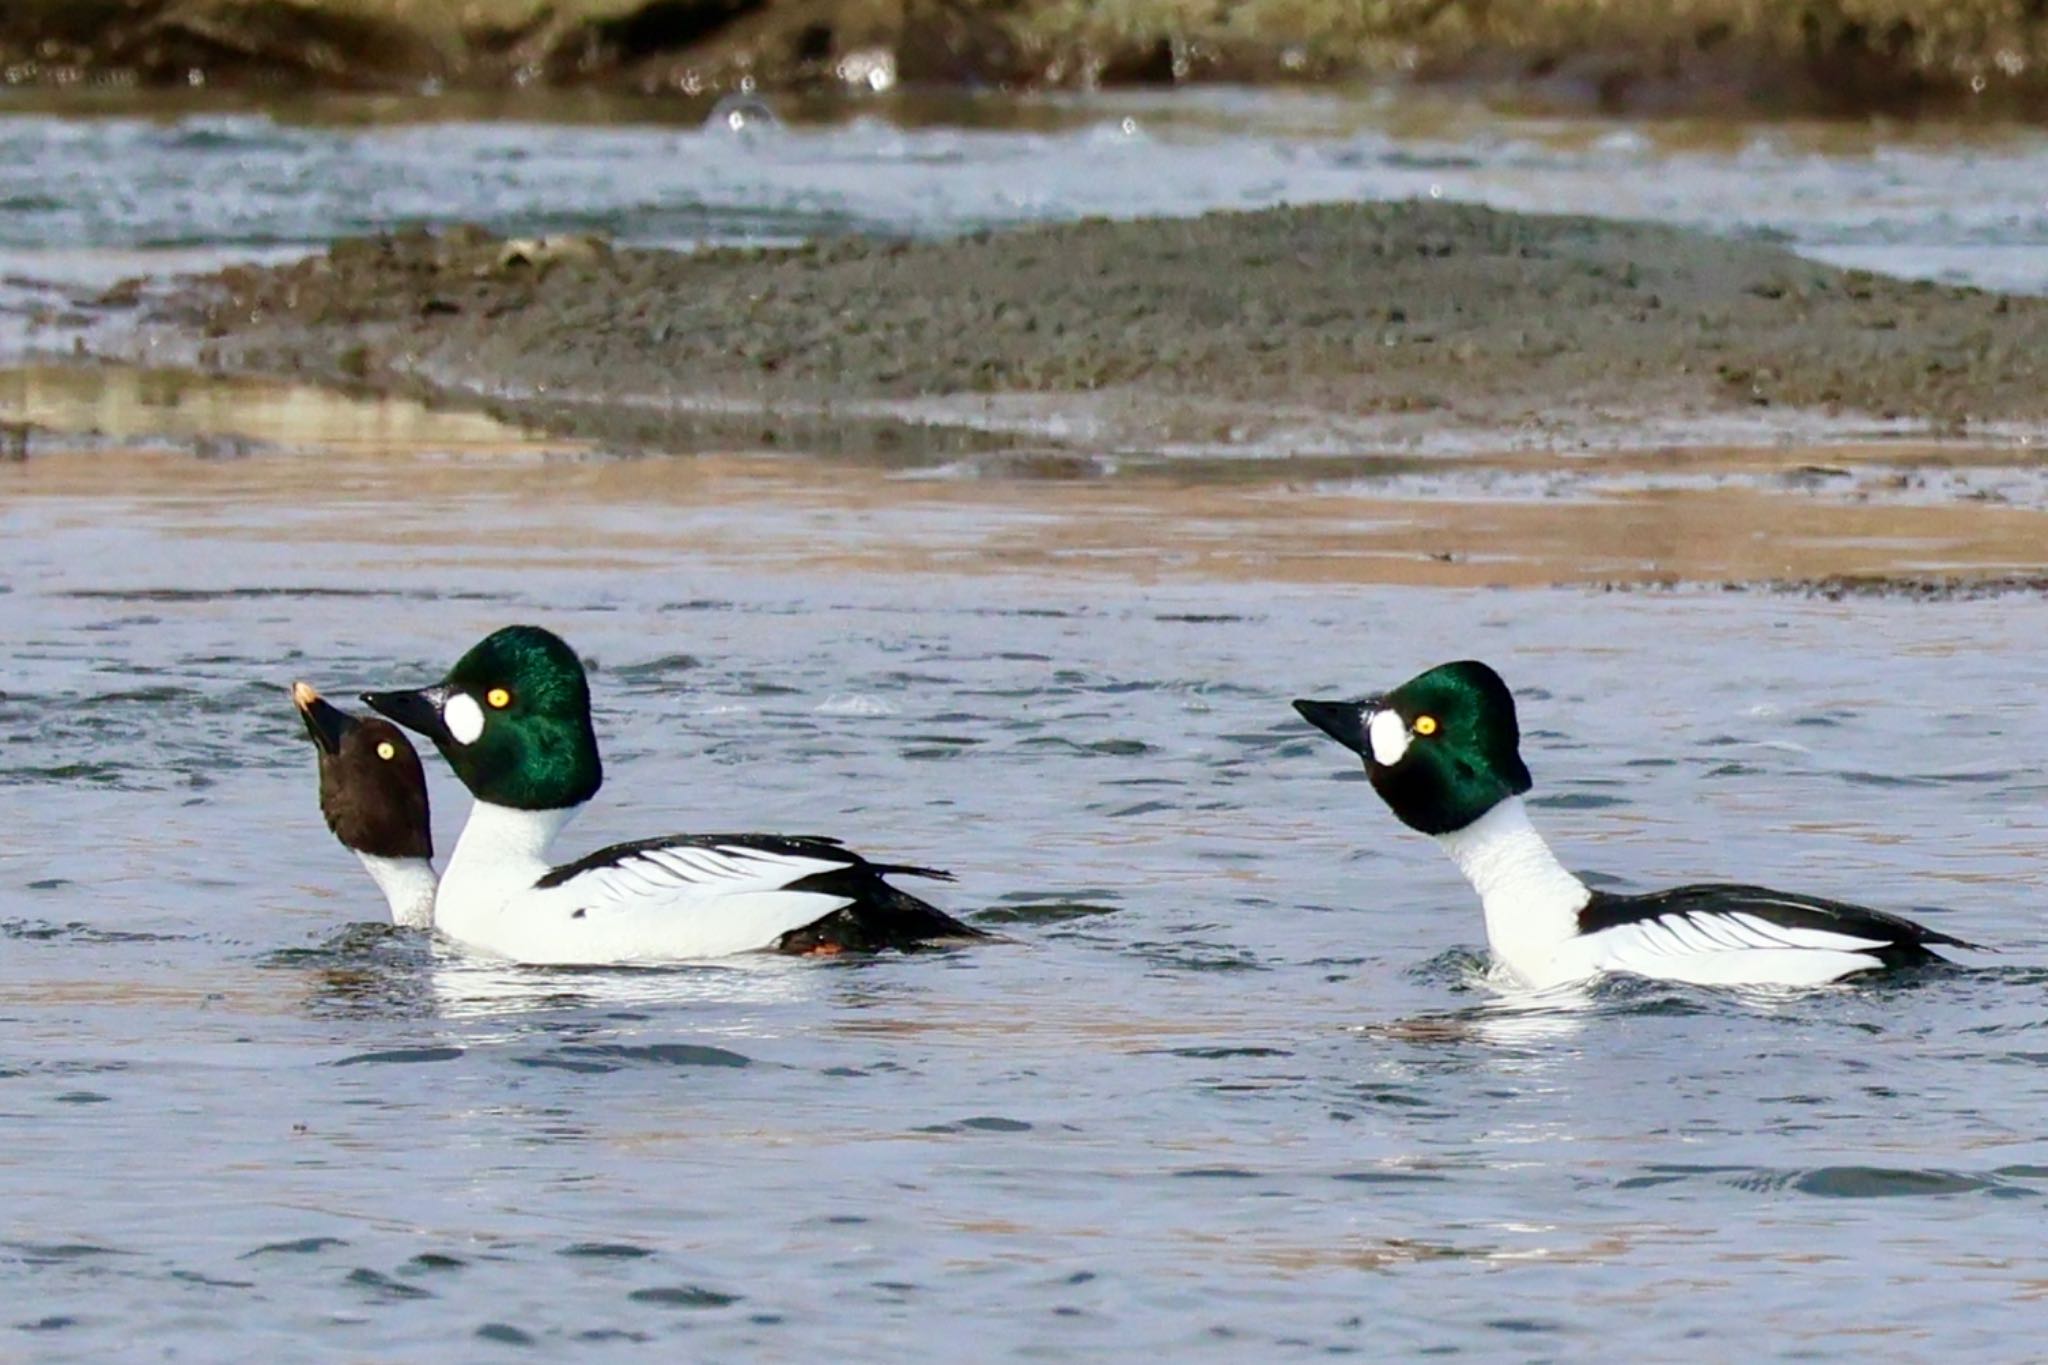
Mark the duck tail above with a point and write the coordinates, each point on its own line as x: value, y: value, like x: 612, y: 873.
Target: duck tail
x: 878, y: 916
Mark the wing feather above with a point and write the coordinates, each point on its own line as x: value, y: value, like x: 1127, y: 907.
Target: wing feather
x: 1714, y: 918
x: 706, y: 895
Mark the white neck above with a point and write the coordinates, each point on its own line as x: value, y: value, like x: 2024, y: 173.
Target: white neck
x: 1532, y: 903
x: 408, y: 886
x: 502, y: 851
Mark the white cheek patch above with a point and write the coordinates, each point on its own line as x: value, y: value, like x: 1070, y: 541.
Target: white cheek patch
x: 463, y: 717
x: 1389, y: 736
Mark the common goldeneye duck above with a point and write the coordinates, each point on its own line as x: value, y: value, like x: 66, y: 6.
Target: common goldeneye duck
x: 374, y: 795
x: 513, y: 719
x: 1443, y: 750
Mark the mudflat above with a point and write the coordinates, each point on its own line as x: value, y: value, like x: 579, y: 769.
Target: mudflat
x: 1420, y: 327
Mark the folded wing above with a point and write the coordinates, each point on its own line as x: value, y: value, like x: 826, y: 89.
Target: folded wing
x: 1723, y: 927
x: 713, y: 894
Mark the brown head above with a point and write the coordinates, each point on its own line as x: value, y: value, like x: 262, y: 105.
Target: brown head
x: 372, y: 788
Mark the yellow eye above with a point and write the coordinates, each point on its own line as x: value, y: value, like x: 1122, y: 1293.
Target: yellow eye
x: 499, y: 698
x: 1425, y: 725
x: 386, y: 749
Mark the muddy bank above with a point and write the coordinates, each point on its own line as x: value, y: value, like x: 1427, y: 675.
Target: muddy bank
x: 1416, y: 326
x: 222, y: 462
x: 1826, y: 55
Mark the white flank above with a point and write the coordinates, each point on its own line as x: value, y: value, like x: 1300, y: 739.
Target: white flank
x: 1389, y: 736
x: 1532, y: 908
x: 1532, y: 902
x: 1733, y: 948
x: 656, y: 905
x: 408, y: 885
x: 463, y: 717
x: 1632, y: 948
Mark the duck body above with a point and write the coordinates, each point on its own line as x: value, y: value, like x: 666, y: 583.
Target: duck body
x: 1443, y: 751
x: 1730, y: 934
x: 1546, y: 927
x: 682, y: 897
x: 513, y: 719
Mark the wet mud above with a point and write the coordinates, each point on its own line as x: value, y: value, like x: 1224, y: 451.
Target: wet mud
x: 1422, y: 327
x: 237, y: 464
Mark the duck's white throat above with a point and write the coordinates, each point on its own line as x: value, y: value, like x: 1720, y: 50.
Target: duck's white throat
x: 1532, y: 902
x: 503, y: 851
x: 408, y: 885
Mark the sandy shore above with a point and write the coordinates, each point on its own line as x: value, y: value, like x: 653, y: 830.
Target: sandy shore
x: 1418, y: 329
x: 1903, y: 56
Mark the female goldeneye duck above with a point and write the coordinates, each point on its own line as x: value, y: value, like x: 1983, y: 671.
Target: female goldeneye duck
x: 1443, y: 751
x: 513, y: 719
x: 374, y: 795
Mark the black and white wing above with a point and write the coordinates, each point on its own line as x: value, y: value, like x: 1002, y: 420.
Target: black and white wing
x: 708, y: 895
x: 1750, y: 932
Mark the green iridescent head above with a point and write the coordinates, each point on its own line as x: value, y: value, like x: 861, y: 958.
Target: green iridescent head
x: 1442, y: 749
x: 512, y: 718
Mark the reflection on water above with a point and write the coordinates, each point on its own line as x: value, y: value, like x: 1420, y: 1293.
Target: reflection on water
x: 376, y: 969
x: 222, y: 416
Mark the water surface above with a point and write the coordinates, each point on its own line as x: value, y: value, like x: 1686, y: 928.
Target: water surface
x: 1232, y: 1090
x: 163, y: 184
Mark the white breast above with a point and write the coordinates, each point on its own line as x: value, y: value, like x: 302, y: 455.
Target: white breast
x: 1531, y: 901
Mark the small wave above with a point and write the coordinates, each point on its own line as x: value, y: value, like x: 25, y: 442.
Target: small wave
x: 683, y: 1296
x: 37, y: 931
x: 981, y: 1123
x: 1827, y: 1182
x: 598, y: 1058
x: 606, y: 1251
x: 401, y: 1056
x: 297, y: 1246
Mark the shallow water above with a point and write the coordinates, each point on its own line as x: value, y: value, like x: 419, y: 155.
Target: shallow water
x: 228, y: 457
x: 1232, y: 1090
x: 157, y: 185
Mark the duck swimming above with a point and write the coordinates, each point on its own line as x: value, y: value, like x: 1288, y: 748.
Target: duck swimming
x: 512, y: 718
x: 1443, y: 751
x: 374, y: 795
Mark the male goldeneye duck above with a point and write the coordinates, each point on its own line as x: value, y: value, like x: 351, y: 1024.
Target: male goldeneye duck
x: 374, y: 795
x: 1443, y: 751
x: 513, y: 719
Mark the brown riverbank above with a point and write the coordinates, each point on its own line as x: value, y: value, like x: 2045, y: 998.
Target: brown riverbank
x: 1898, y: 56
x: 1420, y: 328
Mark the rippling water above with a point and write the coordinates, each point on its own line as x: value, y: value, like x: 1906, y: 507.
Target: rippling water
x: 1231, y: 1091
x: 167, y: 185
